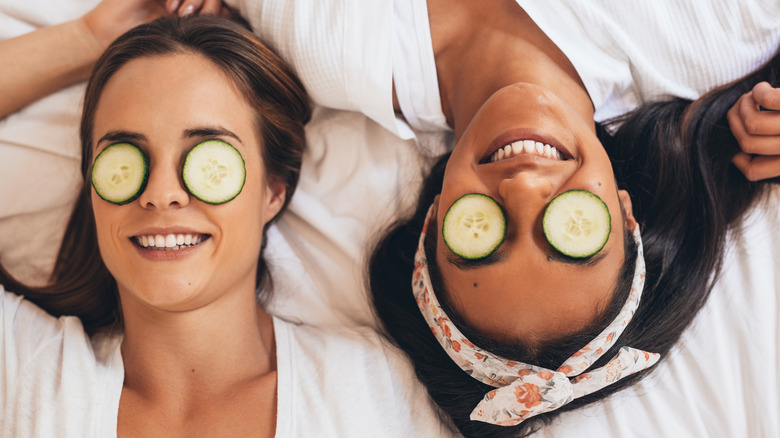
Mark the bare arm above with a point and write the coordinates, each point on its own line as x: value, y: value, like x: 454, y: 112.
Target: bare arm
x: 49, y: 59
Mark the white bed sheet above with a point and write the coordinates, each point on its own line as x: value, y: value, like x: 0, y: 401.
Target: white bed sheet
x: 721, y: 381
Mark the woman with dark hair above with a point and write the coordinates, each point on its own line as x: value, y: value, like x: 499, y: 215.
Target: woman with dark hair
x: 527, y: 332
x: 192, y: 135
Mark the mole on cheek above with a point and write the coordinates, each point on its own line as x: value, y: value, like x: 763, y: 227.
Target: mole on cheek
x: 476, y: 284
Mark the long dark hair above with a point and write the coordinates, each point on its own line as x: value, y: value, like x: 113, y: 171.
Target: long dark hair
x: 673, y: 158
x: 80, y: 283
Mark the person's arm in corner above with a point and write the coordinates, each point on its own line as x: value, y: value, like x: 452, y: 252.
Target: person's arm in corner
x: 51, y: 58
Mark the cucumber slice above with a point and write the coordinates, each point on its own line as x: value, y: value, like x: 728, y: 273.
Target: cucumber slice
x: 577, y: 223
x: 214, y: 172
x: 120, y: 173
x: 474, y: 226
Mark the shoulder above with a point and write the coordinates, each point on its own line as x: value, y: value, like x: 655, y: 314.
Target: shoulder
x: 352, y: 381
x: 30, y: 336
x: 29, y: 327
x: 51, y: 372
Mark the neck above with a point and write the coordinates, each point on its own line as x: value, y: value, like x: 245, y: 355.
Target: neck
x: 481, y: 47
x: 208, y: 350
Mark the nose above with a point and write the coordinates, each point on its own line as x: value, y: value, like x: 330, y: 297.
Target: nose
x: 165, y: 188
x: 524, y: 197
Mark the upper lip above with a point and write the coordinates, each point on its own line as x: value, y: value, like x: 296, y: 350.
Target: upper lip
x: 514, y: 135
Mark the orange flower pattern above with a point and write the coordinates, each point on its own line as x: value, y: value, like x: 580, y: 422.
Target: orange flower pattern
x: 528, y: 395
x: 524, y: 390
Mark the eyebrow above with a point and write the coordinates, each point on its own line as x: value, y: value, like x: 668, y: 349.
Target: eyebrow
x: 467, y: 264
x: 121, y: 137
x: 210, y: 131
x: 199, y: 132
x: 554, y: 255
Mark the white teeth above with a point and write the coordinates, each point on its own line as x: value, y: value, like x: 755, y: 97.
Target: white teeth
x: 169, y: 241
x: 529, y: 147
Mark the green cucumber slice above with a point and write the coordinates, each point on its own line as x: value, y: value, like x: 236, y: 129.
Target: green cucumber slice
x: 577, y: 223
x: 120, y: 172
x: 474, y: 226
x: 214, y: 172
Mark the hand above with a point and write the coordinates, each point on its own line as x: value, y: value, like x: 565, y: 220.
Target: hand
x: 187, y: 7
x: 757, y: 131
x: 112, y: 18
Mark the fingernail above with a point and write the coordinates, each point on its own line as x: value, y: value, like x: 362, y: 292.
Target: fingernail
x: 188, y: 10
x: 173, y: 6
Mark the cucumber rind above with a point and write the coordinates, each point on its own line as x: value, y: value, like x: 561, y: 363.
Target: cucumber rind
x: 558, y: 217
x: 104, y: 170
x: 230, y: 184
x: 462, y: 240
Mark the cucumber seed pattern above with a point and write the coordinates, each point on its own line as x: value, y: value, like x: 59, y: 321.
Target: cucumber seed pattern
x: 121, y: 175
x: 475, y: 223
x: 214, y: 172
x: 578, y: 225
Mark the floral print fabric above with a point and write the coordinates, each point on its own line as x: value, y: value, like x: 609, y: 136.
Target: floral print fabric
x: 525, y: 390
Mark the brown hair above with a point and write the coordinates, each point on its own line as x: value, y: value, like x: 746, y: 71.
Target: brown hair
x: 80, y: 283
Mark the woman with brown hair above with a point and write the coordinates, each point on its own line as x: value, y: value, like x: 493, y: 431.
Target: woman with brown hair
x: 192, y: 136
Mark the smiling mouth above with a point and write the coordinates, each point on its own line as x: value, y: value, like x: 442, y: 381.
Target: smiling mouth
x: 526, y: 147
x: 169, y: 242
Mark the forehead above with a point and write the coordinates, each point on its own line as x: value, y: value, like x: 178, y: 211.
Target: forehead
x: 169, y: 92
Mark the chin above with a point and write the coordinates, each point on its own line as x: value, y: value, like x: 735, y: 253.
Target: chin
x: 170, y: 293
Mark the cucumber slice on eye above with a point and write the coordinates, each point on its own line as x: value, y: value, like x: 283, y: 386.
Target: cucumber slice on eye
x: 214, y: 172
x: 577, y: 223
x: 120, y: 173
x: 474, y: 226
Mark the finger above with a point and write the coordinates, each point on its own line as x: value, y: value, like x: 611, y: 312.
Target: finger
x: 755, y: 121
x: 189, y: 7
x: 756, y: 168
x: 211, y: 7
x: 172, y: 6
x: 767, y: 96
x: 751, y: 144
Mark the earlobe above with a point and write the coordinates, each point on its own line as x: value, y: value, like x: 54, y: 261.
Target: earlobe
x: 628, y: 210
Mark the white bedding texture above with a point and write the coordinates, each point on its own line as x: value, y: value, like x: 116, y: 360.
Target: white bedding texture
x: 721, y: 380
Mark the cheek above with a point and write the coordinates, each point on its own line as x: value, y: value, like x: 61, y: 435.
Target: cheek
x: 106, y: 216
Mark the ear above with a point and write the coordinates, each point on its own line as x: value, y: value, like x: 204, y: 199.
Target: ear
x: 625, y: 201
x: 436, y: 204
x: 275, y: 193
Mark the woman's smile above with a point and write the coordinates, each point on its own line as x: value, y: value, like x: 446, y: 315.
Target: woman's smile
x: 168, y: 246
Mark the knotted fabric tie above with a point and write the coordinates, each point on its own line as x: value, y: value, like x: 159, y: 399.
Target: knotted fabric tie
x: 525, y: 390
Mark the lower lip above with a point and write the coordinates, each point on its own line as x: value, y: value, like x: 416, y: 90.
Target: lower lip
x: 167, y: 255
